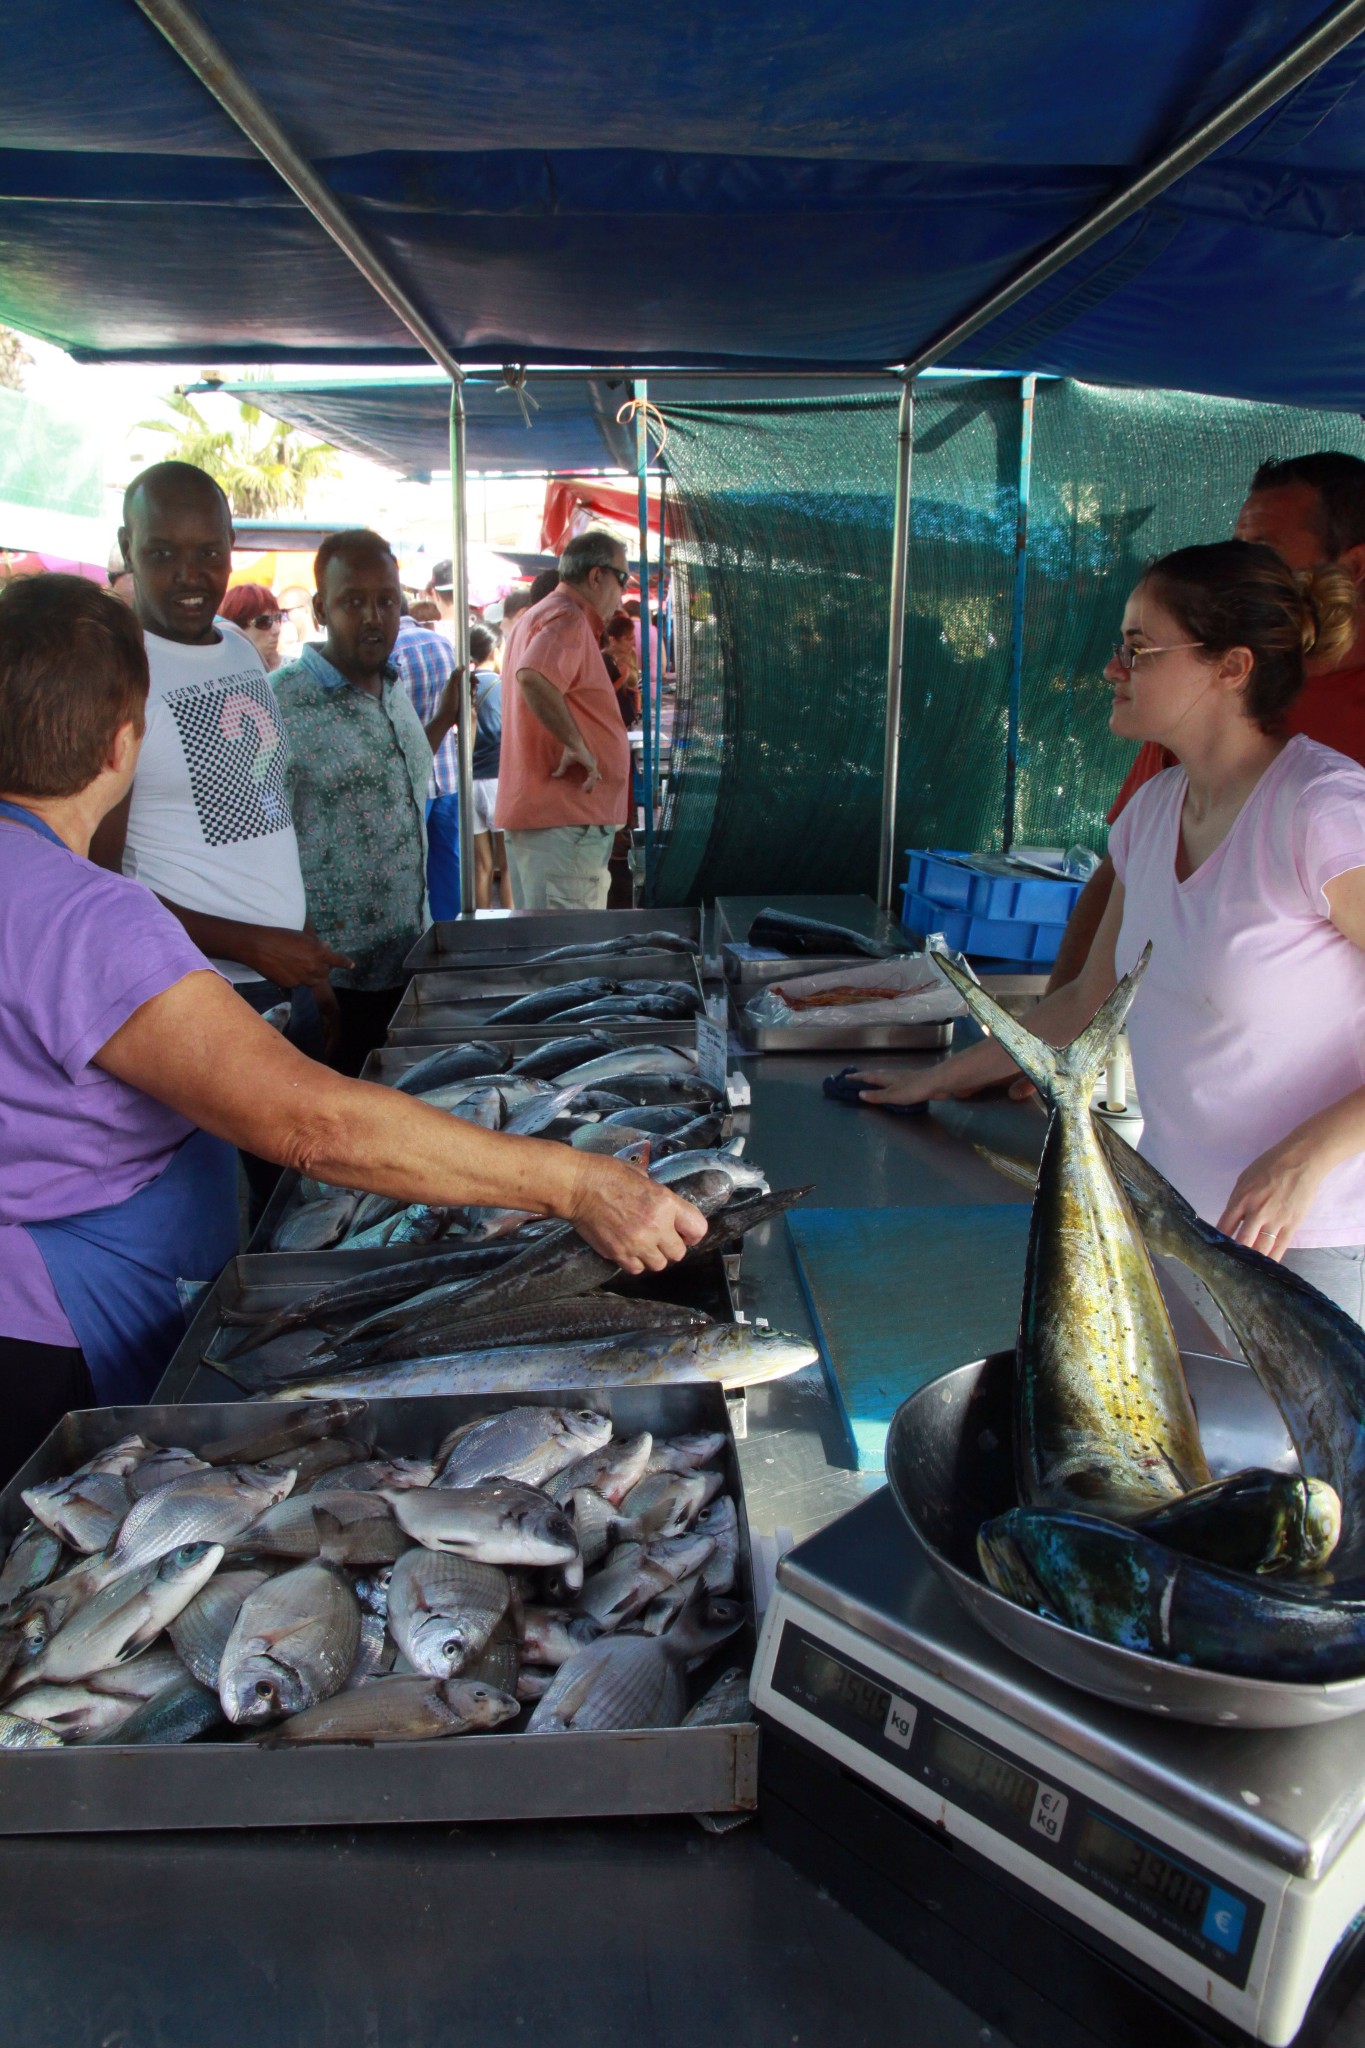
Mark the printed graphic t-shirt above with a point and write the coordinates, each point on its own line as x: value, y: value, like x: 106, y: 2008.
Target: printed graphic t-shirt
x: 210, y: 826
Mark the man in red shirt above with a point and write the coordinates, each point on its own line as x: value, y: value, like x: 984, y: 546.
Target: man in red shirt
x: 1311, y: 510
x: 564, y: 774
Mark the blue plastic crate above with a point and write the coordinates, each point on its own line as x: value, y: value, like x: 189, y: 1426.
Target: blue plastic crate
x: 1017, y: 941
x: 1032, y: 898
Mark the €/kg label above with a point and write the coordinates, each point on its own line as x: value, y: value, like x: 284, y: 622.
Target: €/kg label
x: 711, y: 1050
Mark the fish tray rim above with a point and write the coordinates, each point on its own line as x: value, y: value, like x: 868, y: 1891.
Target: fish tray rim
x: 108, y: 1787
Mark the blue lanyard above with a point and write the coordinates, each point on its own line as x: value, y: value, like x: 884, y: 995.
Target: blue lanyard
x: 32, y: 820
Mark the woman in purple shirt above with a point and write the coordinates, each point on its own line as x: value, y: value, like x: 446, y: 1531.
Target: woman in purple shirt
x: 129, y: 1069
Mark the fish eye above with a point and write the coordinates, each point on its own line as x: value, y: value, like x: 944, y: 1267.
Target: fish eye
x: 452, y: 1646
x: 264, y: 1689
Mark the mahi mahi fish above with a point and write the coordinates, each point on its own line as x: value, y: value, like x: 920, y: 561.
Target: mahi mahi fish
x: 1103, y: 1417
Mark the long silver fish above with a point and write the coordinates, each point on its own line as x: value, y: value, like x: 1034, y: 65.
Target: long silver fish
x: 213, y: 1506
x: 443, y: 1609
x: 313, y: 1226
x: 293, y: 1643
x: 633, y: 1681
x: 201, y: 1629
x: 400, y: 1710
x: 125, y: 1616
x: 1104, y: 1419
x: 529, y: 1444
x: 634, y: 1062
x: 629, y: 942
x: 495, y: 1523
x: 731, y: 1355
x: 452, y: 1063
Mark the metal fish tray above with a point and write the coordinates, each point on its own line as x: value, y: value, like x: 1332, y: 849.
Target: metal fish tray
x: 271, y: 1280
x: 237, y: 1784
x: 950, y: 1465
x: 748, y: 971
x: 438, y: 1009
x: 834, y: 1037
x: 388, y: 1063
x: 491, y: 935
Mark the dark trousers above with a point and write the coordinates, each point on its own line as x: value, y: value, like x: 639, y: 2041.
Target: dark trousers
x: 39, y: 1383
x: 365, y: 1017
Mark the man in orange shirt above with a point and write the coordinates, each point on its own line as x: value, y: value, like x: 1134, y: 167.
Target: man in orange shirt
x: 564, y: 775
x: 1311, y: 510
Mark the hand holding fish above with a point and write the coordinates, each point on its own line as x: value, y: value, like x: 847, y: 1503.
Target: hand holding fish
x: 631, y: 1219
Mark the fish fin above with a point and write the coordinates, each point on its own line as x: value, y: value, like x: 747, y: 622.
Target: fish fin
x: 1020, y: 1170
x: 332, y: 1534
x: 1052, y: 1069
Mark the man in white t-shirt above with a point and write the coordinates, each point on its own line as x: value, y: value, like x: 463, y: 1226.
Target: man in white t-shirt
x: 207, y: 823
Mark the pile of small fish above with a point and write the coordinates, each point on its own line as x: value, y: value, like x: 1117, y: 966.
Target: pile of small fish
x: 1121, y: 1532
x: 297, y: 1584
x: 586, y: 1089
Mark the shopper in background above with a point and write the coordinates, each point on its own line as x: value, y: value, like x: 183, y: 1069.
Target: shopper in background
x: 490, y: 854
x: 207, y: 823
x: 129, y: 1070
x: 564, y: 779
x: 120, y: 576
x: 623, y: 667
x: 360, y: 764
x: 1311, y: 510
x: 441, y: 591
x: 514, y: 604
x: 254, y: 609
x: 425, y: 662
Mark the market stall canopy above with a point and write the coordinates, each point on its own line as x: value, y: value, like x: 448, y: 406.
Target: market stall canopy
x: 840, y: 183
x: 569, y: 423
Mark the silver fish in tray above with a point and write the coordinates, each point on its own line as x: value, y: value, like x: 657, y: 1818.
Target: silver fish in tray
x: 551, y: 1635
x: 612, y: 1471
x: 633, y: 1681
x: 724, y: 1702
x: 213, y: 1506
x: 667, y: 1503
x: 495, y: 1523
x: 86, y: 1507
x: 16, y: 1733
x: 294, y: 1642
x: 180, y: 1711
x: 720, y: 1522
x: 349, y: 1528
x: 126, y: 1615
x: 530, y: 1444
x: 201, y: 1629
x: 443, y: 1609
x: 400, y: 1710
x: 35, y: 1556
x: 69, y: 1713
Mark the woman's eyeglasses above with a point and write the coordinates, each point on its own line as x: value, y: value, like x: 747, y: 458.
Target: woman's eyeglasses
x: 263, y: 621
x: 1125, y: 655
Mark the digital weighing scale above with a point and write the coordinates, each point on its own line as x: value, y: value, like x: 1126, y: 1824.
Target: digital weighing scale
x: 1088, y: 1873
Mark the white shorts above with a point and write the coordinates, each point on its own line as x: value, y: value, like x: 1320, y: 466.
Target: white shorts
x: 485, y: 797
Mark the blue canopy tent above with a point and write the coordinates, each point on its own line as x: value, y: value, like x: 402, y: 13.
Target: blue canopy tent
x: 1123, y: 194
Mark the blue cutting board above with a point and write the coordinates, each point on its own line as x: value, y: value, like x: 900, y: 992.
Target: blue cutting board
x: 902, y: 1295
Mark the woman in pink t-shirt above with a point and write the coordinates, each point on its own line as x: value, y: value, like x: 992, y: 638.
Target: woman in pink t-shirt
x: 1245, y: 868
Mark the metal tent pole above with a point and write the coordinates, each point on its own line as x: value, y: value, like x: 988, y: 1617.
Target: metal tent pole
x: 212, y: 66
x: 1027, y: 388
x: 661, y: 663
x: 640, y: 391
x: 459, y: 564
x: 895, y: 654
x: 1331, y: 35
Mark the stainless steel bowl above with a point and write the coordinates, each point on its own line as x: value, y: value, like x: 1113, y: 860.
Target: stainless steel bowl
x: 950, y: 1465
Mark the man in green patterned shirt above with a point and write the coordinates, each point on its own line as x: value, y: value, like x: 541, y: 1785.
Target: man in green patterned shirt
x: 359, y: 769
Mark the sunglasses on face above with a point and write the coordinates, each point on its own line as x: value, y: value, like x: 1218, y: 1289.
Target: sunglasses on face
x: 622, y: 575
x: 263, y: 621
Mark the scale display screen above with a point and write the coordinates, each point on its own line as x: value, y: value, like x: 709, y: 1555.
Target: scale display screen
x: 831, y: 1682
x: 966, y: 1764
x: 1137, y: 1867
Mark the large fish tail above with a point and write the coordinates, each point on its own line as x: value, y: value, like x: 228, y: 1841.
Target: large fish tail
x: 1054, y: 1070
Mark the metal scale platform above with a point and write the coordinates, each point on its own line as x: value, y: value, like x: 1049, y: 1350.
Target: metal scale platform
x: 1078, y: 1873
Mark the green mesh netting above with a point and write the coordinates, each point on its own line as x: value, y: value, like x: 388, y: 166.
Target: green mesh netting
x: 782, y: 592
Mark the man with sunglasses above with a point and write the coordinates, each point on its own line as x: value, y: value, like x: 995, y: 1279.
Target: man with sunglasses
x: 1311, y: 510
x: 564, y: 775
